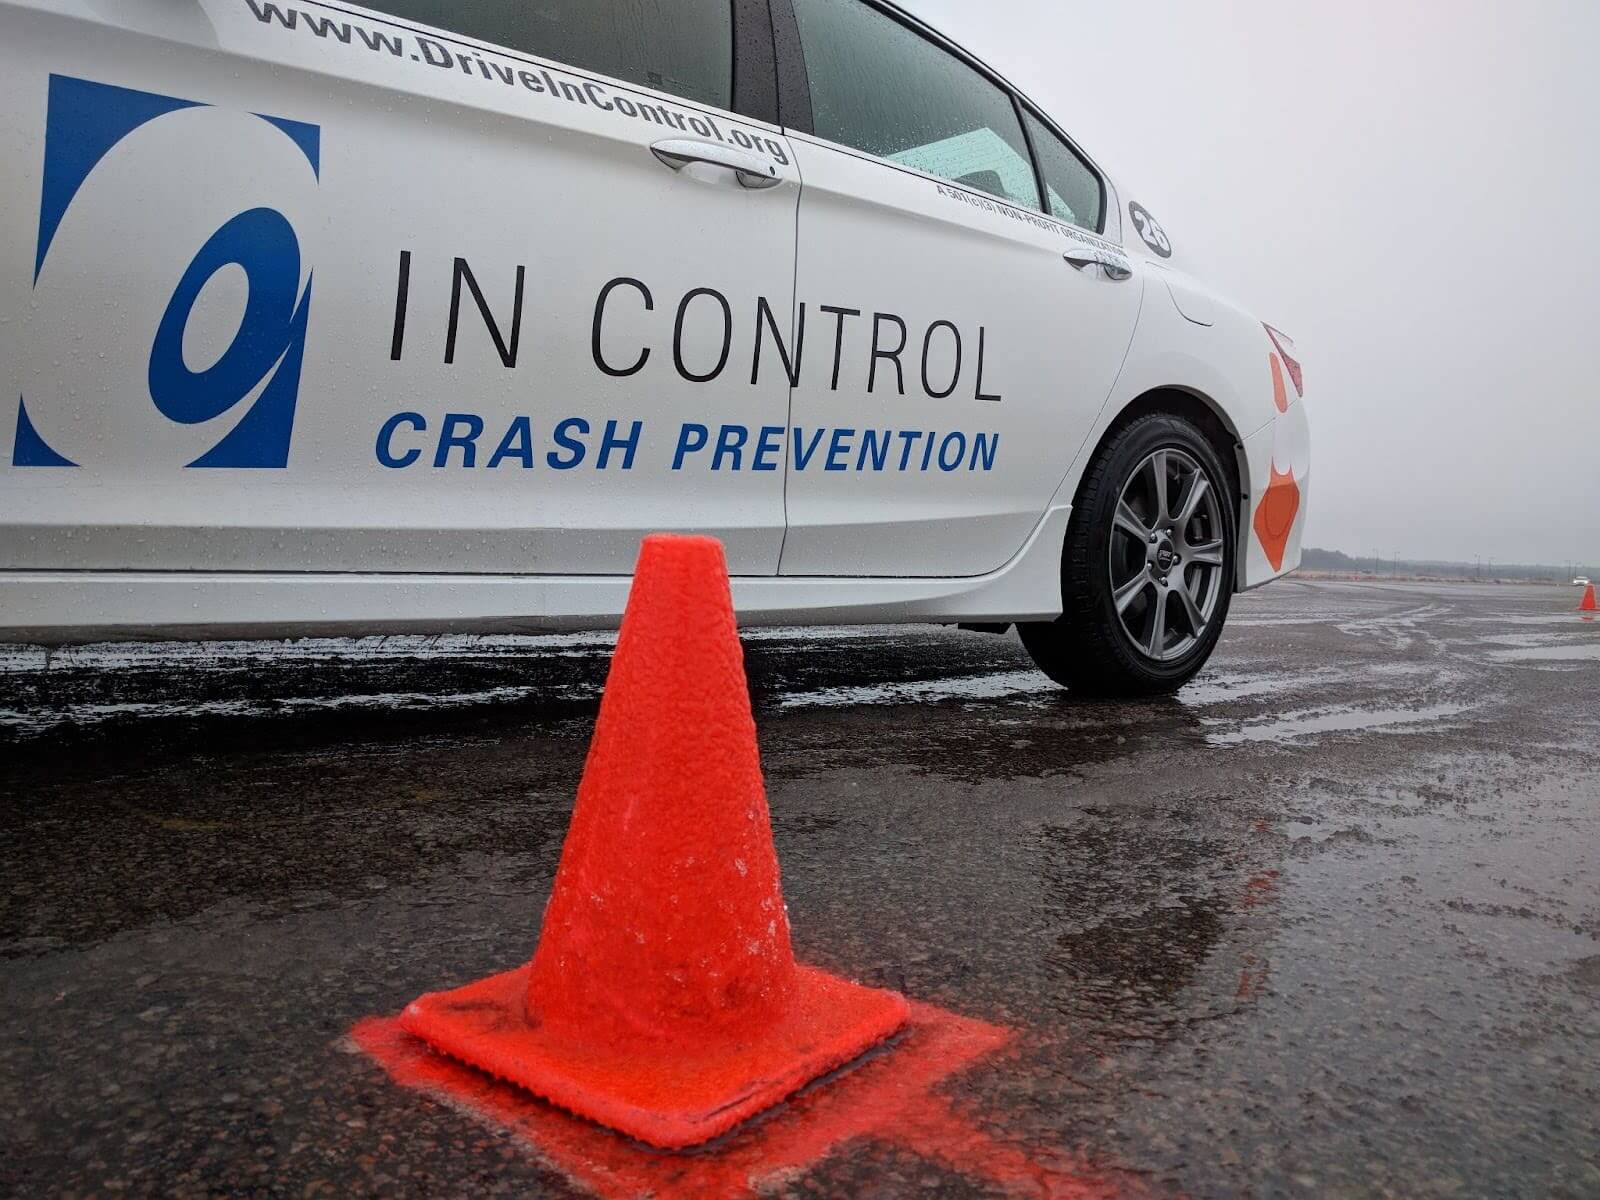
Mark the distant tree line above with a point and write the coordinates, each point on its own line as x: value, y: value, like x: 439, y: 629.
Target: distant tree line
x: 1338, y: 562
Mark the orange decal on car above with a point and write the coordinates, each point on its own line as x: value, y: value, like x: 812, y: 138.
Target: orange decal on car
x: 1275, y: 515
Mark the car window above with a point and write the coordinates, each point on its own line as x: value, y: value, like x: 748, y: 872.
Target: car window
x: 881, y: 87
x: 1072, y: 189
x: 684, y: 47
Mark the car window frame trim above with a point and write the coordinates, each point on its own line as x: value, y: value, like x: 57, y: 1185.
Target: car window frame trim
x: 791, y: 61
x: 1033, y: 156
x: 1026, y: 108
x: 753, y: 84
x: 794, y: 86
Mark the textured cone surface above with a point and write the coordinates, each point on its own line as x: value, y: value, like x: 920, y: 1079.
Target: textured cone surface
x: 664, y: 1000
x: 1588, y: 602
x: 666, y: 922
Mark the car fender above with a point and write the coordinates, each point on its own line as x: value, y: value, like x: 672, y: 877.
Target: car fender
x: 1213, y: 350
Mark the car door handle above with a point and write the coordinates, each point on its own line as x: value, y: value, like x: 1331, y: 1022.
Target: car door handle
x: 1115, y: 268
x: 752, y: 171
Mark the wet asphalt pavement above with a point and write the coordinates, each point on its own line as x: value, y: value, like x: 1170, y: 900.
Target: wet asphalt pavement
x: 1326, y: 924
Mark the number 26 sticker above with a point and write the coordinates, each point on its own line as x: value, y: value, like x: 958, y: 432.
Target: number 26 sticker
x: 1150, y: 231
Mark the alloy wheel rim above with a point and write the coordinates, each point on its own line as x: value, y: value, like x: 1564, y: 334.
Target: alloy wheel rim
x: 1166, y: 555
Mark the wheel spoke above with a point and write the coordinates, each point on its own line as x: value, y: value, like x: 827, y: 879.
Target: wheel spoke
x: 1158, y: 468
x: 1208, y: 553
x: 1128, y: 592
x: 1191, y: 610
x: 1193, y: 496
x: 1158, y: 626
x: 1128, y: 521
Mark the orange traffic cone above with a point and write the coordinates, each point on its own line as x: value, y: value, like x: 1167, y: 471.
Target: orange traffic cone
x: 1587, y: 604
x: 663, y: 999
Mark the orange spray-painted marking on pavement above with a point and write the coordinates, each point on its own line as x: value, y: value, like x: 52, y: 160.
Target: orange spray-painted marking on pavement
x: 888, y: 1098
x: 1261, y: 888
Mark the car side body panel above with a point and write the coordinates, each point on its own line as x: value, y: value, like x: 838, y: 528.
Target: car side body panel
x: 355, y: 545
x: 1040, y: 347
x: 451, y: 238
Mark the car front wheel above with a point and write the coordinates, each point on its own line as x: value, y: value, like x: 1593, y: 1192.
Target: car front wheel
x: 1148, y: 567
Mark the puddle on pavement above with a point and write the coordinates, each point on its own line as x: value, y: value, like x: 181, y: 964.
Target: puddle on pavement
x: 120, y: 684
x: 1313, y: 618
x: 823, y: 633
x: 1204, y: 692
x: 167, y: 657
x: 970, y: 687
x: 85, y: 715
x: 1565, y: 617
x: 1311, y: 831
x: 1404, y: 799
x: 1512, y: 639
x: 1292, y: 727
x: 1581, y: 652
x: 1209, y: 690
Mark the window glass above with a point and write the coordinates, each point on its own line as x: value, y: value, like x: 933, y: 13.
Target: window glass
x: 1072, y: 189
x: 883, y: 88
x: 684, y: 47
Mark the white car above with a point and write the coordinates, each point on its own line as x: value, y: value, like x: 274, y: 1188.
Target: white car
x: 339, y: 319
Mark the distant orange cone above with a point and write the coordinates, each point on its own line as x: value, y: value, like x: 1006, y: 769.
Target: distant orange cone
x: 664, y: 1000
x: 1587, y: 604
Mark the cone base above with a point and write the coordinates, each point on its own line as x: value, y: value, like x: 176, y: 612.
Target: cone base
x: 670, y: 1097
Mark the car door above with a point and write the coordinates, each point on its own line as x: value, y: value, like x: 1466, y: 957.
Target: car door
x: 956, y: 359
x: 441, y: 288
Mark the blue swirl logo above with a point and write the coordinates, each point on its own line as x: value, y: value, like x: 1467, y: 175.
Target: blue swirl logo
x: 106, y: 206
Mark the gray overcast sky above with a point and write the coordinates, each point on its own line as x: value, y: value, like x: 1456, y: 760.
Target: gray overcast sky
x: 1410, y: 189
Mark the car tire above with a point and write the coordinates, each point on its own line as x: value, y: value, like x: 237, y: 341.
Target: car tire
x: 1137, y: 573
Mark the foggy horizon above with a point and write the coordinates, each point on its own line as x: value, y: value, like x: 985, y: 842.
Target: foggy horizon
x: 1295, y: 156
